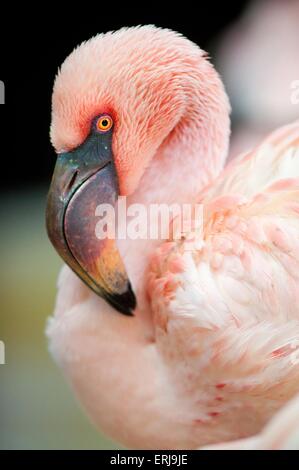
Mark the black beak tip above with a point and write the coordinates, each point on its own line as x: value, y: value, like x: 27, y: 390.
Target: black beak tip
x: 125, y: 303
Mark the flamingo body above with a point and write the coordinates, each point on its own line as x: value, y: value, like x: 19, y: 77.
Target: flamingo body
x: 210, y: 354
x: 226, y: 314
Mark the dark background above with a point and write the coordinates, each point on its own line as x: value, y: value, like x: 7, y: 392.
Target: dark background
x: 37, y: 409
x: 36, y: 40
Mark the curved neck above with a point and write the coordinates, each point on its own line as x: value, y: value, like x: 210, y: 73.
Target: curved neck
x: 194, y: 152
x: 188, y: 160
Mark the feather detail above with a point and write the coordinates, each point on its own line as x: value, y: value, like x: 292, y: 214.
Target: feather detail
x: 233, y: 311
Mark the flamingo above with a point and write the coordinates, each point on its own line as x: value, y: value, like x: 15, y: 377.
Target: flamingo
x: 167, y: 346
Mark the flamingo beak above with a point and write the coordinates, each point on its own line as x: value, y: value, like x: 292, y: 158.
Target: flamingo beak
x: 83, y: 179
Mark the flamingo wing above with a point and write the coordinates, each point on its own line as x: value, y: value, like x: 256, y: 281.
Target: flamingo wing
x: 233, y: 288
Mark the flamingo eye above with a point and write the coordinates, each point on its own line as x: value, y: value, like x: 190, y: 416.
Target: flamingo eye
x: 104, y: 123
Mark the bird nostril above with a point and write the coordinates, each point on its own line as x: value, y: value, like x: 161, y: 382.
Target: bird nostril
x: 73, y: 179
x: 71, y: 182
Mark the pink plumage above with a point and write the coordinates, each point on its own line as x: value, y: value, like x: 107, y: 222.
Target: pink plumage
x: 208, y: 355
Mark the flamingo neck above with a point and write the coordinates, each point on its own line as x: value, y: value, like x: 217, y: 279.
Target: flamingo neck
x: 191, y: 156
x: 188, y: 160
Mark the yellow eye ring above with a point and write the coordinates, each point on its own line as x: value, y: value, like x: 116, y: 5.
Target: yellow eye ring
x: 104, y: 123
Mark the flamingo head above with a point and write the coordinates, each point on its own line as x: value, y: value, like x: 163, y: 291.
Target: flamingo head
x: 119, y: 98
